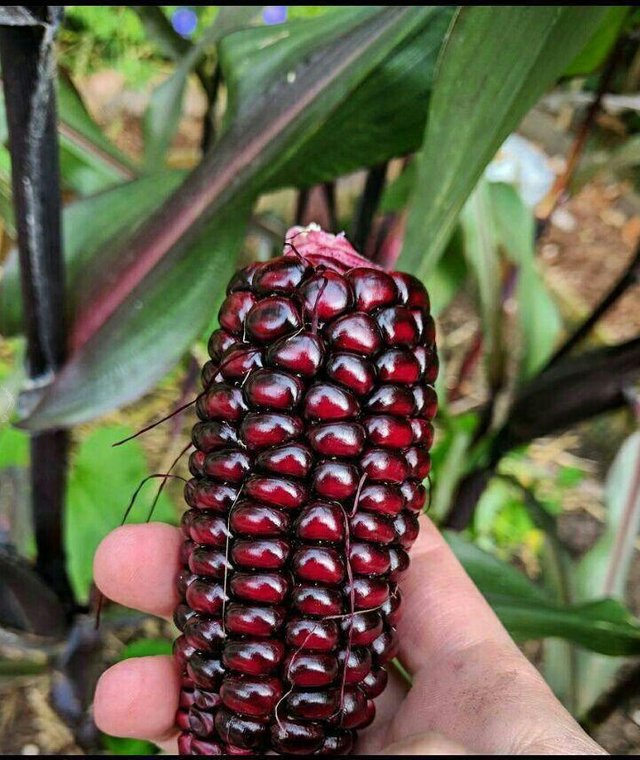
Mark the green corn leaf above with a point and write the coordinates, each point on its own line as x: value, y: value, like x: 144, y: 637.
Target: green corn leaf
x: 118, y: 745
x: 603, y: 626
x: 448, y: 276
x: 6, y: 206
x: 453, y: 462
x: 599, y: 46
x: 492, y: 575
x: 496, y: 63
x: 598, y: 627
x: 146, y: 648
x: 397, y: 194
x: 514, y: 223
x: 539, y: 319
x: 604, y: 569
x: 481, y: 250
x: 89, y: 160
x: 14, y: 447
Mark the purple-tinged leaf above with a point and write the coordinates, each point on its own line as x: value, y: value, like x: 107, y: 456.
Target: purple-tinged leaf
x: 147, y: 336
x: 88, y: 225
x: 133, y: 324
x: 248, y: 153
x: 26, y: 603
x: 572, y: 391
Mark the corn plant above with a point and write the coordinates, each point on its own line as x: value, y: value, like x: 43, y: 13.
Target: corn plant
x: 110, y: 293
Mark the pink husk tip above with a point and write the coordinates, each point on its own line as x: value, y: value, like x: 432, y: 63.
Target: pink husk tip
x: 319, y: 247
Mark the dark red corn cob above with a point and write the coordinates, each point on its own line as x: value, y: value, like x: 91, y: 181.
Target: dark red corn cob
x: 307, y: 482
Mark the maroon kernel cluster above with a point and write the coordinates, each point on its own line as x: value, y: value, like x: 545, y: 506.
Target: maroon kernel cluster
x: 307, y: 481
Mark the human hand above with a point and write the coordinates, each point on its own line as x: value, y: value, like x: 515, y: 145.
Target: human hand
x: 473, y: 690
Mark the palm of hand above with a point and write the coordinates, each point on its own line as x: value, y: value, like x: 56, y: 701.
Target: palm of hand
x: 472, y: 688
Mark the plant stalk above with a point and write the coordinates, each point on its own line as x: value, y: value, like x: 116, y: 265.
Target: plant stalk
x: 629, y: 277
x: 561, y: 185
x: 27, y: 59
x: 317, y: 204
x: 159, y: 29
x: 624, y: 690
x: 368, y: 205
x: 571, y: 392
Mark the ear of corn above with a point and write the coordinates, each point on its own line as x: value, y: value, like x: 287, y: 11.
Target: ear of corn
x: 308, y: 469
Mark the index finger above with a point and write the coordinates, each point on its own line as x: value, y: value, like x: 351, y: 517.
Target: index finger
x: 137, y: 566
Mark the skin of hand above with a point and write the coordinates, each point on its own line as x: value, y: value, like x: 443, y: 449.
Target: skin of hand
x: 473, y: 691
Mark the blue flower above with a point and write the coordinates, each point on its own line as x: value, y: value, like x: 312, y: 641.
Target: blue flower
x: 184, y: 21
x: 274, y: 14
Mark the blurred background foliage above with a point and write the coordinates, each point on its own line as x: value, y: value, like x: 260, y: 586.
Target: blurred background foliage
x: 517, y: 204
